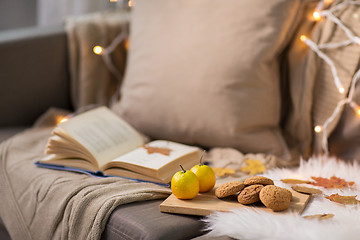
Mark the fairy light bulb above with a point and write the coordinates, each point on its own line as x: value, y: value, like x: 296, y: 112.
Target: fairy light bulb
x: 316, y: 15
x: 303, y: 38
x: 62, y: 119
x: 341, y: 90
x: 318, y: 129
x: 131, y: 3
x: 127, y: 43
x: 98, y: 50
x: 355, y: 107
x: 328, y: 1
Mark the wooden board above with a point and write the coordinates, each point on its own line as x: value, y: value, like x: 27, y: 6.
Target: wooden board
x: 206, y: 203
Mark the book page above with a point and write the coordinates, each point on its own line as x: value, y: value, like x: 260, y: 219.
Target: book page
x: 61, y: 146
x: 103, y: 133
x: 155, y: 161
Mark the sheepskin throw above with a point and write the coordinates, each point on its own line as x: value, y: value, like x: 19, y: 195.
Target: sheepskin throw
x: 345, y: 224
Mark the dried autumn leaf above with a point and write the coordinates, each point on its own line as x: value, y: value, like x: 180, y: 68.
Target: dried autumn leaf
x: 253, y: 167
x: 164, y: 151
x: 319, y: 216
x: 307, y: 190
x: 333, y: 182
x: 343, y: 199
x: 220, y: 172
x: 294, y: 181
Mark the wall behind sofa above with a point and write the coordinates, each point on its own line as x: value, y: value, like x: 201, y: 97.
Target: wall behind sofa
x: 17, y: 14
x: 26, y: 13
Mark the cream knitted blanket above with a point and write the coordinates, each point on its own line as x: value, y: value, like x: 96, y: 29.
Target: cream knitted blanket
x: 40, y: 203
x: 92, y: 81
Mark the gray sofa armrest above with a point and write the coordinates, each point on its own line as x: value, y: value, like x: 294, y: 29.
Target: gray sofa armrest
x: 34, y: 74
x: 143, y: 220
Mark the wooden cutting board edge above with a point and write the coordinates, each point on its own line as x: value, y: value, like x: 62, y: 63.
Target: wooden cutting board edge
x: 205, y: 204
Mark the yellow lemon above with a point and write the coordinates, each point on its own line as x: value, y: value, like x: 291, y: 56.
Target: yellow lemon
x: 206, y: 177
x: 184, y: 184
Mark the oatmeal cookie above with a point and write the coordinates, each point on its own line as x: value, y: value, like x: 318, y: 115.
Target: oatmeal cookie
x: 250, y: 194
x: 258, y: 180
x: 228, y: 189
x: 275, y: 198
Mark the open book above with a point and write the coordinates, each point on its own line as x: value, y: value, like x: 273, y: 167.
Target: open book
x: 101, y: 143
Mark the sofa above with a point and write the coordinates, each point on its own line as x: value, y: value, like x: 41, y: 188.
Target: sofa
x: 24, y: 90
x: 35, y: 76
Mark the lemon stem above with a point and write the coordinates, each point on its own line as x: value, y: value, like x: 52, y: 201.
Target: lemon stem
x: 183, y: 170
x: 202, y: 155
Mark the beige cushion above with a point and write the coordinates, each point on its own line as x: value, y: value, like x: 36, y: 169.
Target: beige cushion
x: 206, y: 72
x: 344, y: 142
x: 92, y: 82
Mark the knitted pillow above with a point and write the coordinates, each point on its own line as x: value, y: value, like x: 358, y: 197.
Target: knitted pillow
x: 313, y: 94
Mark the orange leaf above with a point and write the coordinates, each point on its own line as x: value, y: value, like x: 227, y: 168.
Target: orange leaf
x: 294, y: 181
x: 164, y: 151
x: 343, y: 199
x: 333, y: 182
x: 320, y: 216
x: 307, y: 190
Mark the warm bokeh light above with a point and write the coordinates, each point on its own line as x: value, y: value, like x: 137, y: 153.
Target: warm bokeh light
x: 131, y: 3
x: 113, y: 0
x: 98, y: 50
x: 317, y: 129
x: 355, y: 107
x: 316, y: 16
x: 127, y: 44
x: 328, y: 2
x: 303, y: 38
x: 62, y: 119
x: 341, y: 90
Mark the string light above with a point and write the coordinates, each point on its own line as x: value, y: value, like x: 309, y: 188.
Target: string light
x: 303, y: 38
x: 355, y: 107
x: 98, y: 50
x: 352, y: 39
x: 323, y: 56
x: 341, y: 90
x: 327, y: 2
x: 318, y: 129
x: 62, y: 119
x: 323, y: 4
x: 316, y: 16
x: 131, y: 3
x: 127, y: 43
x: 122, y: 37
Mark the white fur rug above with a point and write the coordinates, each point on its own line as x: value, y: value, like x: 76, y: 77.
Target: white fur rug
x: 249, y: 224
